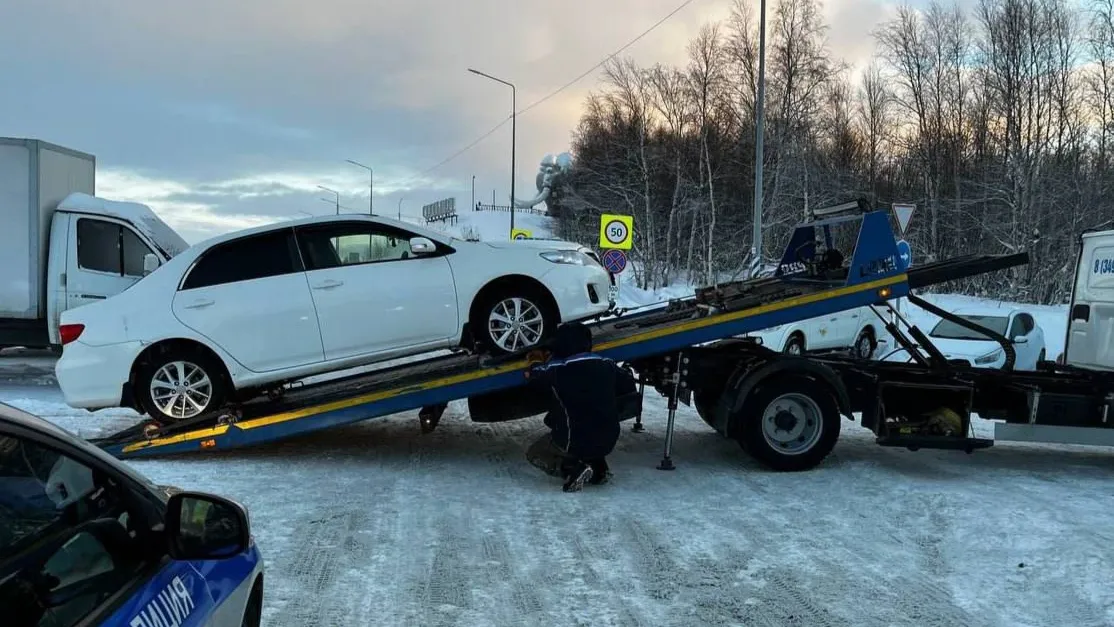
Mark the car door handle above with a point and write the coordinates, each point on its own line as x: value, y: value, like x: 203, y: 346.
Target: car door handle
x: 199, y: 304
x: 328, y: 284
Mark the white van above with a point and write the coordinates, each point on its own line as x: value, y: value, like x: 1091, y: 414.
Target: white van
x: 1090, y: 335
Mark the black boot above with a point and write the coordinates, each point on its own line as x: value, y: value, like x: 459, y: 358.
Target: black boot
x: 575, y: 480
x: 601, y: 474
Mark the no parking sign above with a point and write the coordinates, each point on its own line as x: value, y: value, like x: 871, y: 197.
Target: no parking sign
x: 615, y: 261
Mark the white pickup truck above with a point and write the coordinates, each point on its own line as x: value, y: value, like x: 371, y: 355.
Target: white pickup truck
x: 855, y: 329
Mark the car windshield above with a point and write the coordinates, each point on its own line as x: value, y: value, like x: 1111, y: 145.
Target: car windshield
x: 946, y: 329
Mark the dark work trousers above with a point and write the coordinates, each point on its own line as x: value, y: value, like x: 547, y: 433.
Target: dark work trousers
x: 550, y: 459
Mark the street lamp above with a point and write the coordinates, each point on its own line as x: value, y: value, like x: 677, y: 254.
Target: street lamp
x: 759, y: 132
x: 513, y: 105
x: 400, y: 209
x: 473, y: 205
x: 333, y: 192
x: 370, y: 184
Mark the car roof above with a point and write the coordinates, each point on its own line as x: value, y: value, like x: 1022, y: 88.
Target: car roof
x: 323, y: 219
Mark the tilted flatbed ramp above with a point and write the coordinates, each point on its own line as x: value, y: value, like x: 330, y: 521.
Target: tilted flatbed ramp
x: 748, y: 306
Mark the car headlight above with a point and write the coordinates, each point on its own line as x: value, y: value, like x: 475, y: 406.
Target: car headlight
x: 988, y: 358
x: 572, y: 257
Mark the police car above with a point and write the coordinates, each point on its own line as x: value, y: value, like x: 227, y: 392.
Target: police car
x: 85, y: 540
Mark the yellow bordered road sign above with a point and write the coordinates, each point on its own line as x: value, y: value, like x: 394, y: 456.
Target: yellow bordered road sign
x: 521, y: 234
x: 616, y: 231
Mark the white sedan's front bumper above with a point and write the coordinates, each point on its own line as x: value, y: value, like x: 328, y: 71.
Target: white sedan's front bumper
x: 580, y: 291
x: 93, y: 377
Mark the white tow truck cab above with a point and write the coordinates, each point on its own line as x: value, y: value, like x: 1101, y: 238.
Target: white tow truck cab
x: 1090, y: 335
x: 62, y: 247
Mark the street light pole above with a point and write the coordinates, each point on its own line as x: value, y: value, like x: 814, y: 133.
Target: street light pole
x: 400, y: 209
x: 370, y: 185
x: 473, y: 205
x: 513, y: 120
x: 335, y: 193
x: 759, y: 133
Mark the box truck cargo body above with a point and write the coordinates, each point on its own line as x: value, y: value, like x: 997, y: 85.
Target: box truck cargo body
x: 60, y: 246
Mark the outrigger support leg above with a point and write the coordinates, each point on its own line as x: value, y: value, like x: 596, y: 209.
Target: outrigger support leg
x: 637, y: 427
x: 430, y: 416
x: 677, y: 372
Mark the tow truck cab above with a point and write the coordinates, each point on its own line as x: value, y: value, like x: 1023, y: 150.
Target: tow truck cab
x: 1090, y: 333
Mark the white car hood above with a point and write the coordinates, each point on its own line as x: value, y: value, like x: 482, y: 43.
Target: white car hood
x: 534, y: 244
x: 965, y: 349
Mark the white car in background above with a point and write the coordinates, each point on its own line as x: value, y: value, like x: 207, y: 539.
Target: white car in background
x: 958, y: 342
x: 855, y: 329
x: 245, y: 312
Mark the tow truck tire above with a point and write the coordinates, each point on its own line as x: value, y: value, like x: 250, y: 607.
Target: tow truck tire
x: 198, y: 366
x: 790, y: 423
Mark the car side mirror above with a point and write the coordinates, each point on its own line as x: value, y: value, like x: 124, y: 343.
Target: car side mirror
x: 150, y: 263
x: 422, y: 246
x: 203, y: 526
x: 1021, y: 339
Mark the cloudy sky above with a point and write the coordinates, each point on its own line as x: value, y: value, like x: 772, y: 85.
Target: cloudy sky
x: 222, y: 114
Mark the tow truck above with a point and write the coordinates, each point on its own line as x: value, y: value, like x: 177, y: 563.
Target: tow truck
x: 784, y: 410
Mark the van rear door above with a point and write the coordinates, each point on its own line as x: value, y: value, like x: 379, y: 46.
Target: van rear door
x: 1090, y: 335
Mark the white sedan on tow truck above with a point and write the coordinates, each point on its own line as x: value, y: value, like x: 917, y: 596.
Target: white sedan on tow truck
x: 246, y: 312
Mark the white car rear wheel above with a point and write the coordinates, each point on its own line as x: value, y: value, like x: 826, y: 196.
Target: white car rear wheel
x: 180, y: 385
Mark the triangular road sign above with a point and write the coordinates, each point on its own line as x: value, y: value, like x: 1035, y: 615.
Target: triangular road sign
x: 903, y: 213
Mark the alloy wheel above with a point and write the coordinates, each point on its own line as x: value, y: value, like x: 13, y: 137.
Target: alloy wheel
x: 181, y: 390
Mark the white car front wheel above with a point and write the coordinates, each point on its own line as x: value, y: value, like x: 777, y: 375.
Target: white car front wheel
x: 512, y: 321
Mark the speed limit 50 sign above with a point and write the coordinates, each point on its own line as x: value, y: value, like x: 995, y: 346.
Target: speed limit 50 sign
x: 616, y: 231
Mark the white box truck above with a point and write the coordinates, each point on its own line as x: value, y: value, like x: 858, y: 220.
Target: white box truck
x: 61, y: 246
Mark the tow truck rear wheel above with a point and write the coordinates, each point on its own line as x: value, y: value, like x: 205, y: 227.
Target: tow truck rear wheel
x: 789, y: 423
x: 180, y: 383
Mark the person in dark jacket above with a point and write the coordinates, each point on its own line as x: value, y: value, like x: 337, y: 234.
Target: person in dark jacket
x: 584, y: 416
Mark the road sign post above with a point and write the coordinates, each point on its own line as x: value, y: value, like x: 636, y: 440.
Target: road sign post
x: 616, y: 231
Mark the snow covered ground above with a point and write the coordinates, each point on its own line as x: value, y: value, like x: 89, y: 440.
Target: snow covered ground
x: 374, y: 523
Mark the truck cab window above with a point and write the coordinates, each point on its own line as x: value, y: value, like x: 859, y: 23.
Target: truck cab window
x: 110, y: 247
x: 134, y: 249
x: 67, y: 542
x: 98, y: 245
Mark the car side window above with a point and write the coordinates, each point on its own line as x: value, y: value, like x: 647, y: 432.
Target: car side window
x: 347, y: 244
x: 253, y: 257
x: 67, y: 542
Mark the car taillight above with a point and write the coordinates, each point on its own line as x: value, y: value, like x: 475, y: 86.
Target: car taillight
x: 70, y: 332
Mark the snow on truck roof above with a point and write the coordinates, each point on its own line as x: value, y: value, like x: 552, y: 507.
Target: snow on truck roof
x: 134, y: 213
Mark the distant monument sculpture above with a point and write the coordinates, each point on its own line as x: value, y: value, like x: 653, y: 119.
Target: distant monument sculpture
x: 548, y: 181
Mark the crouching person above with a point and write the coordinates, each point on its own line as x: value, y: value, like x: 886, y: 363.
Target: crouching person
x: 583, y: 420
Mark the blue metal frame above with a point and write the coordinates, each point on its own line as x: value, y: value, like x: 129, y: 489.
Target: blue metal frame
x: 873, y: 276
